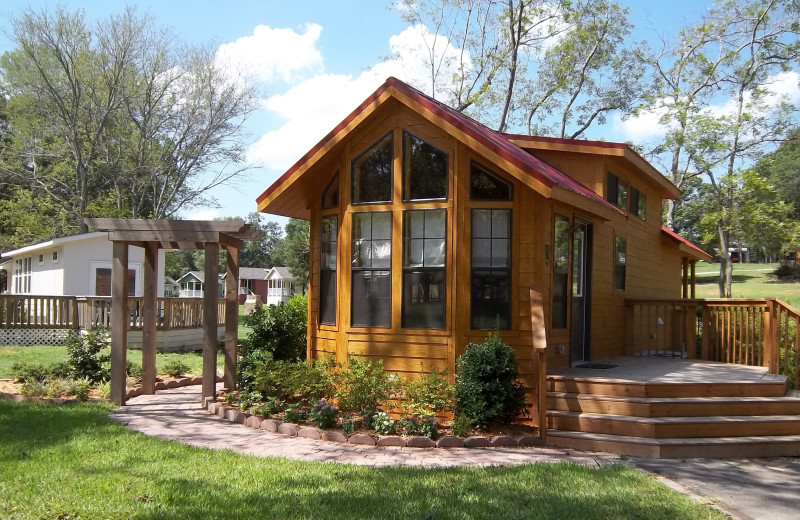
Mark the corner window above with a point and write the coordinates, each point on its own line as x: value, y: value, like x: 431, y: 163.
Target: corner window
x: 620, y: 260
x: 617, y: 192
x: 638, y: 205
x: 372, y: 173
x: 424, y: 252
x: 330, y: 197
x: 560, y: 271
x: 424, y: 170
x: 327, y: 271
x: 491, y: 269
x: 485, y: 185
x: 371, y: 286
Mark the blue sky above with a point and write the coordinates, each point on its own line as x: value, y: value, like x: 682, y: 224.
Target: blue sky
x: 314, y: 62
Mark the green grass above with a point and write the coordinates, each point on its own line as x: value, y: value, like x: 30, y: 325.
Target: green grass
x: 73, y: 462
x: 749, y: 281
x: 49, y: 354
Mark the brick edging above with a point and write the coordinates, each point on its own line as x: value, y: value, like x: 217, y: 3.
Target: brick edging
x: 234, y: 415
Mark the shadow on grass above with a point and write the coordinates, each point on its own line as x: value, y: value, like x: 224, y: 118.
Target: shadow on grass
x: 713, y: 279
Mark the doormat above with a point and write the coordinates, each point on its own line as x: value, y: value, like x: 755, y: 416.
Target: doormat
x: 599, y: 366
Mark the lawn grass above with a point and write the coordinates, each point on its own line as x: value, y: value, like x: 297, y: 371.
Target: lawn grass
x: 49, y: 354
x: 749, y: 281
x: 74, y: 462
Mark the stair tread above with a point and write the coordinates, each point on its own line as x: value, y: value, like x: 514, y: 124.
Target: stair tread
x: 767, y: 380
x: 676, y: 441
x: 668, y: 420
x: 666, y: 400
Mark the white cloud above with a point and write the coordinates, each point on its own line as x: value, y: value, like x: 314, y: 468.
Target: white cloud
x: 313, y: 107
x: 207, y: 214
x: 274, y: 54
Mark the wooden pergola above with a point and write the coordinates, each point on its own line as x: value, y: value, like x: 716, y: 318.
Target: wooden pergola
x: 153, y: 235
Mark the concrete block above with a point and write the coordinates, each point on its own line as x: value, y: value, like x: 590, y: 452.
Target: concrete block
x: 450, y: 441
x: 476, y: 442
x: 391, y: 440
x: 418, y: 441
x: 361, y: 438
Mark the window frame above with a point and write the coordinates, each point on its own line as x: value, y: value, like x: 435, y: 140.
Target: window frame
x: 424, y: 270
x: 376, y: 271
x: 613, y: 193
x: 637, y: 203
x: 406, y: 169
x: 492, y: 269
x: 563, y: 313
x: 326, y: 270
x: 620, y: 268
x: 367, y: 150
x: 475, y: 165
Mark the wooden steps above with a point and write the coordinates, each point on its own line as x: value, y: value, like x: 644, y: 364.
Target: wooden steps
x: 674, y: 420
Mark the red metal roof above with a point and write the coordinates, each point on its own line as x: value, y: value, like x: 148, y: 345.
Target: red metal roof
x: 682, y: 240
x: 560, y: 140
x: 533, y: 166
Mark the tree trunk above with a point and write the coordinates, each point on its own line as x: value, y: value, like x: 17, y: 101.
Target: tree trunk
x: 725, y: 265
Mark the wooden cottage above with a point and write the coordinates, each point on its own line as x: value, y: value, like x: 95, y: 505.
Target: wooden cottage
x: 428, y: 230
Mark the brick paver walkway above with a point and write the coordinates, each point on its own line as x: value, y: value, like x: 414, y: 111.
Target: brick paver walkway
x: 176, y: 415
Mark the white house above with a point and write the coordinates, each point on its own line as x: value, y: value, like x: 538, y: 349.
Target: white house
x: 78, y: 265
x: 191, y: 285
x: 281, y: 286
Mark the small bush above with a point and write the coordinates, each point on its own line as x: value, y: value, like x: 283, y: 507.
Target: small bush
x: 383, y: 424
x: 428, y: 427
x: 364, y: 386
x: 348, y: 426
x: 81, y: 389
x: 134, y: 370
x: 410, y: 424
x: 324, y: 414
x: 104, y: 389
x: 30, y: 372
x: 280, y: 330
x: 34, y: 388
x: 60, y: 370
x: 59, y: 387
x: 461, y: 426
x: 295, y: 413
x: 487, y: 387
x: 428, y: 395
x: 291, y: 379
x: 84, y: 355
x: 787, y: 272
x: 272, y: 405
x: 176, y: 368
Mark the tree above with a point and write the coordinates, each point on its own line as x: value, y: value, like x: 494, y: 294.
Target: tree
x: 293, y: 252
x: 259, y: 253
x: 782, y: 169
x: 119, y: 113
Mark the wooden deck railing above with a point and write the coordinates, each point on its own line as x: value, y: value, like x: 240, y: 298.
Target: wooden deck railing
x: 539, y: 359
x: 78, y: 312
x: 757, y: 332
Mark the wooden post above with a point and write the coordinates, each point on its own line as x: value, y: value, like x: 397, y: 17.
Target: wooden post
x: 694, y: 278
x: 119, y: 321
x: 691, y: 330
x: 539, y: 337
x: 149, y: 318
x: 210, y: 288
x: 705, y: 340
x: 685, y: 262
x: 231, y: 316
x: 770, y: 337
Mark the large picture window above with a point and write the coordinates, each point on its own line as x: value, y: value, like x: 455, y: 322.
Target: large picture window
x: 424, y: 170
x: 560, y: 271
x: 327, y: 271
x: 620, y: 261
x: 424, y: 252
x: 22, y: 275
x: 372, y: 173
x: 371, y: 268
x: 491, y: 269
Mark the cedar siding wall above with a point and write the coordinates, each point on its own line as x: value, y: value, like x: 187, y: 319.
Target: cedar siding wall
x: 653, y: 267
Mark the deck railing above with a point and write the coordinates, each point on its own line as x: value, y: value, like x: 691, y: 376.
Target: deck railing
x: 78, y: 312
x: 757, y: 332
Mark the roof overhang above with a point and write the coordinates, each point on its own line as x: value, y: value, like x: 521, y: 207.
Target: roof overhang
x: 686, y: 247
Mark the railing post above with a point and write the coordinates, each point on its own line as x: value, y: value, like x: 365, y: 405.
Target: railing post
x: 705, y: 341
x: 539, y: 337
x: 770, y: 355
x: 690, y: 314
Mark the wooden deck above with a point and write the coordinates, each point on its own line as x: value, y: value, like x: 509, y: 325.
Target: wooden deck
x: 664, y: 407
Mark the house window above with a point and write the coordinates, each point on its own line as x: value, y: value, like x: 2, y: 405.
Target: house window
x: 102, y: 281
x: 371, y: 267
x: 41, y: 259
x: 638, y: 203
x: 485, y: 185
x: 22, y: 275
x: 560, y: 271
x: 424, y: 170
x: 55, y: 257
x: 424, y: 252
x: 491, y: 269
x: 617, y: 192
x: 372, y: 173
x: 330, y: 197
x: 275, y: 288
x: 327, y: 270
x: 620, y: 260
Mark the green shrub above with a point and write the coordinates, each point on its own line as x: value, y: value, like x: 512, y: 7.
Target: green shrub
x: 348, y: 426
x: 60, y: 370
x: 383, y: 424
x: 428, y: 427
x: 81, y: 389
x: 59, y: 387
x: 487, y: 387
x: 34, y: 388
x: 105, y: 389
x: 291, y: 379
x: 787, y: 272
x: 30, y: 372
x: 461, y: 426
x: 84, y: 355
x: 428, y: 395
x: 364, y: 386
x: 295, y: 413
x: 324, y: 414
x: 279, y: 330
x: 134, y: 370
x: 176, y: 368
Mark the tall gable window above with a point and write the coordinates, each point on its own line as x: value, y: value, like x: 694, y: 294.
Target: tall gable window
x: 424, y: 170
x: 617, y: 192
x: 485, y: 185
x: 638, y: 205
x: 327, y: 271
x: 424, y: 252
x: 372, y: 173
x: 491, y: 269
x: 371, y: 266
x: 330, y: 197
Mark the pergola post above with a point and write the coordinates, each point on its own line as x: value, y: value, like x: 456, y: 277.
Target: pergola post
x: 149, y: 323
x: 210, y: 289
x: 119, y: 321
x: 231, y: 315
x: 694, y: 278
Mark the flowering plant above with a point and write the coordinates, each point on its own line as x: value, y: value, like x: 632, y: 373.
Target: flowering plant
x: 324, y: 414
x: 383, y: 424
